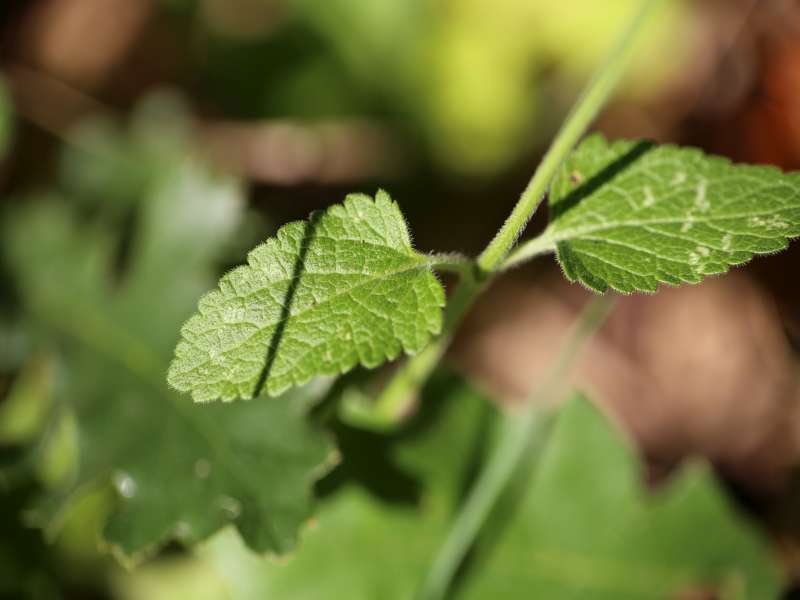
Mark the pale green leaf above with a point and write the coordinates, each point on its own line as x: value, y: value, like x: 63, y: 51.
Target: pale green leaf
x: 633, y: 215
x: 322, y: 296
x: 581, y: 526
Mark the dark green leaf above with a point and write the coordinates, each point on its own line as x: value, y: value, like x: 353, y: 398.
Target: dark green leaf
x: 181, y: 471
x: 583, y: 526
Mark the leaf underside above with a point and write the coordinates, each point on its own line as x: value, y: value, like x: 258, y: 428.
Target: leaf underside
x: 633, y: 215
x: 322, y: 296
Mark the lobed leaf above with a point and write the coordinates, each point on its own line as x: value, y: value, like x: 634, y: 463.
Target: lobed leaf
x: 322, y: 296
x: 633, y: 215
x: 586, y: 526
x: 181, y: 471
x: 580, y: 525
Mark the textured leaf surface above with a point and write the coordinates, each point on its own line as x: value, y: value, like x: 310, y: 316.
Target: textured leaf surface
x: 342, y: 289
x: 632, y: 215
x: 582, y: 526
x: 180, y: 470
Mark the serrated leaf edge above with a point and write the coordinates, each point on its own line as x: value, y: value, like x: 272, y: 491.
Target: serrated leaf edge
x: 423, y: 264
x: 560, y: 239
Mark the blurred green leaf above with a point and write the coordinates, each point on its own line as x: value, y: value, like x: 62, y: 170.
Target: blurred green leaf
x: 465, y: 79
x: 112, y: 303
x: 658, y: 58
x: 24, y: 409
x: 582, y: 526
x: 27, y: 569
x: 363, y: 547
x: 380, y: 37
x: 343, y: 288
x: 107, y: 166
x: 30, y: 569
x: 586, y: 527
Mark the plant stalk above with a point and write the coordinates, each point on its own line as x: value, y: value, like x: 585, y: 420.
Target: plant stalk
x: 542, y: 244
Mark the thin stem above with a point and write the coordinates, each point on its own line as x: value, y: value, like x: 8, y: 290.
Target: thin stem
x: 516, y: 435
x: 583, y: 113
x: 451, y: 262
x: 539, y: 245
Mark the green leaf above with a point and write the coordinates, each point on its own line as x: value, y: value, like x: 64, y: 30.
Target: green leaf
x: 582, y: 526
x: 322, y: 296
x: 363, y: 547
x: 586, y: 527
x: 181, y: 471
x: 632, y: 215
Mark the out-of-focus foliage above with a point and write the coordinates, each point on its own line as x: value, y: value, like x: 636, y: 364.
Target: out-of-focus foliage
x: 102, y: 264
x: 586, y: 525
x: 582, y: 525
x: 27, y: 403
x: 468, y: 76
x: 25, y: 560
x: 106, y: 283
x: 485, y: 91
x: 111, y: 165
x: 173, y: 578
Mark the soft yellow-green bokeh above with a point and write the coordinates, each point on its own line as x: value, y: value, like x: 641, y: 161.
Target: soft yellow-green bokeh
x: 487, y: 59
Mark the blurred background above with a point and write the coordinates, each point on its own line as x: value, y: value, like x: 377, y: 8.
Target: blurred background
x: 448, y: 104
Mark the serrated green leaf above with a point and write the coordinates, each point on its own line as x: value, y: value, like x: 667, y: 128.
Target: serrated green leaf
x: 322, y: 296
x: 582, y: 526
x: 633, y: 215
x: 181, y: 471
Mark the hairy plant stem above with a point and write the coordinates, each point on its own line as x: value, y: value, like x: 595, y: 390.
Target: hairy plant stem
x: 593, y: 99
x: 393, y: 402
x: 452, y: 262
x: 516, y: 434
x: 539, y: 245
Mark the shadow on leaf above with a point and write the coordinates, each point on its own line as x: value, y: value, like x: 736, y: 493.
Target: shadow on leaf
x: 599, y: 179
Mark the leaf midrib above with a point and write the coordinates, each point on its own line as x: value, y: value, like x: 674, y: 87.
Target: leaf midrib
x: 554, y: 235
